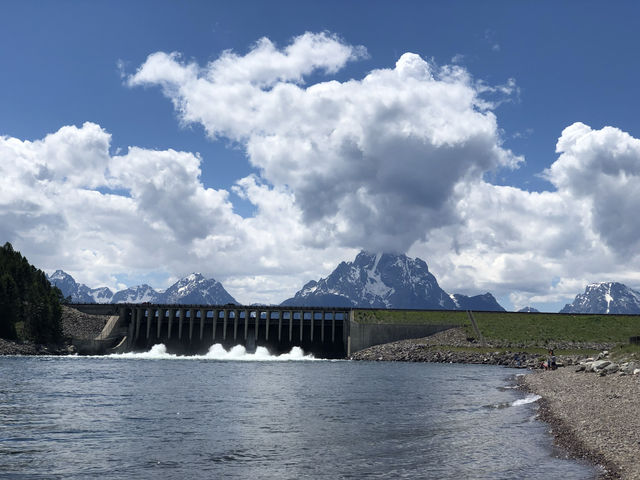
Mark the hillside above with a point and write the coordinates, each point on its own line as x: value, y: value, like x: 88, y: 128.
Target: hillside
x: 29, y: 306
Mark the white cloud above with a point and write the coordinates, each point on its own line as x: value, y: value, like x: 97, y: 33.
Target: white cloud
x: 393, y: 161
x: 601, y: 168
x: 59, y: 207
x: 545, y: 247
x: 372, y: 163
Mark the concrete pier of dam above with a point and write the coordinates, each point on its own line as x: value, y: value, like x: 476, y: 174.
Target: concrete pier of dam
x: 192, y: 329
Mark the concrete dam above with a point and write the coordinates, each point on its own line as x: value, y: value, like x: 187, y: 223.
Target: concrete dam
x: 191, y: 329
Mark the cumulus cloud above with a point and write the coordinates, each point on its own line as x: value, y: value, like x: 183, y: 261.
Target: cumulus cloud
x: 601, y: 168
x: 545, y: 246
x: 372, y: 163
x: 512, y: 241
x: 394, y: 161
x: 67, y: 203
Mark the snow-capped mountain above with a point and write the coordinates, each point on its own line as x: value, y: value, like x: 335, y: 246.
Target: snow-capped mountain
x: 379, y: 281
x: 77, y: 291
x: 195, y: 289
x: 528, y: 310
x: 478, y: 303
x: 138, y: 294
x: 606, y: 297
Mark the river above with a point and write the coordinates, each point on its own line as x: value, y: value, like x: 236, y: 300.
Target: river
x: 235, y: 415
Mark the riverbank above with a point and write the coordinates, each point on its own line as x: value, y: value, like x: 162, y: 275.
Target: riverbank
x: 593, y: 417
x: 453, y: 346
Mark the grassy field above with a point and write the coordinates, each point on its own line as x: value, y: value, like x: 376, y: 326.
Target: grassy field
x: 541, y: 328
x: 519, y: 328
x: 411, y: 317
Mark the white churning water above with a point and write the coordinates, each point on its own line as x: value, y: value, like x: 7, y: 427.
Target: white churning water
x: 217, y: 352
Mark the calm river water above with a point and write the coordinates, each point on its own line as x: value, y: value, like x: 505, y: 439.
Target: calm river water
x: 233, y: 415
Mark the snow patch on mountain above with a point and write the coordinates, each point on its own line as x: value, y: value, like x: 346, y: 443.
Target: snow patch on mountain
x: 139, y: 294
x: 605, y: 297
x: 455, y: 301
x: 194, y: 288
x: 528, y: 310
x: 382, y: 280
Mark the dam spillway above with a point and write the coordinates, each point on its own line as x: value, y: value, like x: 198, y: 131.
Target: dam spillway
x: 194, y: 328
x: 326, y: 332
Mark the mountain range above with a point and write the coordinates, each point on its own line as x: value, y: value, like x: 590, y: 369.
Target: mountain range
x: 371, y: 280
x: 193, y: 289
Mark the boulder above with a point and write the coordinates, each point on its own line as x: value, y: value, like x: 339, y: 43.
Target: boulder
x: 600, y: 365
x: 628, y: 367
x: 611, y: 368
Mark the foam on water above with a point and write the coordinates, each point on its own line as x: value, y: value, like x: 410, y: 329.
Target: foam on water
x: 524, y: 401
x: 531, y: 398
x: 217, y: 352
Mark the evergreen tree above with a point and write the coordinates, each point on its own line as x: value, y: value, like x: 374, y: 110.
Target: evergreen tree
x: 9, y: 307
x: 27, y: 296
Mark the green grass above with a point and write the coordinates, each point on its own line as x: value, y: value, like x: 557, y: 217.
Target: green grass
x: 541, y: 328
x: 626, y: 352
x: 518, y: 328
x: 410, y: 317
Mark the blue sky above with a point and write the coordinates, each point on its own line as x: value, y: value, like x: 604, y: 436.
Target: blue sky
x: 69, y: 62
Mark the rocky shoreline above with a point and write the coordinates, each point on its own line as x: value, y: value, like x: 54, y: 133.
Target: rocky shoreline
x: 453, y: 346
x: 75, y: 324
x: 593, y: 417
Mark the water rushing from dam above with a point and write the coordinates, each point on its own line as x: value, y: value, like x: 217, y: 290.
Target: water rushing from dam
x: 229, y: 414
x: 217, y: 352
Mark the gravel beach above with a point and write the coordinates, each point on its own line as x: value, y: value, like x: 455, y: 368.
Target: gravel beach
x: 593, y: 417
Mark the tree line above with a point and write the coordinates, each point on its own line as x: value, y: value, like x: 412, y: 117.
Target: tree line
x: 29, y: 306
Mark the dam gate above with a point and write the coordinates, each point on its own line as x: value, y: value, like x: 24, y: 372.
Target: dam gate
x: 194, y: 328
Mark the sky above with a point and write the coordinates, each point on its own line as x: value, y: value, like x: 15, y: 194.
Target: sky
x: 262, y: 143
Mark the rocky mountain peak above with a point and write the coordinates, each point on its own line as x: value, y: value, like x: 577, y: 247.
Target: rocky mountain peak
x: 194, y: 288
x: 485, y: 302
x: 605, y: 297
x: 59, y: 275
x: 377, y: 280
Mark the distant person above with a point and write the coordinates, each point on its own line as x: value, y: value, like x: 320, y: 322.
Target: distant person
x: 552, y: 360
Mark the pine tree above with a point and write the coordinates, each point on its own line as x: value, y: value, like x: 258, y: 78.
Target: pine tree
x: 26, y: 295
x: 9, y: 307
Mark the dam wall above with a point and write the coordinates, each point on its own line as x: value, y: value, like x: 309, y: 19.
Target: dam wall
x: 362, y: 336
x: 193, y: 329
